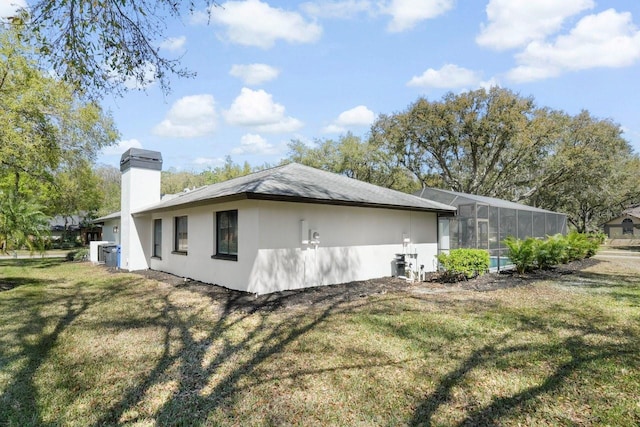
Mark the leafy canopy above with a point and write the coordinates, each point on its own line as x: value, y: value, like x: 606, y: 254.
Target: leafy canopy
x: 49, y: 139
x: 103, y: 46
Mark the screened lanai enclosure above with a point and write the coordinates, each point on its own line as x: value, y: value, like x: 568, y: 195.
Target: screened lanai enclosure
x: 484, y: 222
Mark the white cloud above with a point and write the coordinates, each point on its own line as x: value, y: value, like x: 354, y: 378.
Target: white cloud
x: 255, y: 108
x: 514, y: 23
x: 255, y: 144
x: 9, y: 7
x: 450, y: 76
x: 173, y: 44
x: 121, y: 147
x: 337, y: 9
x: 488, y: 84
x: 357, y: 116
x: 253, y: 23
x: 189, y: 117
x: 608, y: 39
x: 208, y: 161
x: 334, y: 128
x: 406, y: 14
x: 254, y: 74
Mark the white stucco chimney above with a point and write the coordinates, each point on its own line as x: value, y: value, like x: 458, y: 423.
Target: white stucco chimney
x: 140, y: 184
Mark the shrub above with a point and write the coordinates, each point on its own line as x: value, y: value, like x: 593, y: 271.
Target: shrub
x: 598, y: 237
x: 522, y: 253
x: 578, y: 246
x: 595, y: 240
x: 550, y: 252
x: 464, y: 263
x: 78, y: 255
x: 529, y: 253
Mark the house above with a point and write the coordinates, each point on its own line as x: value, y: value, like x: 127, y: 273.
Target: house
x: 287, y: 227
x: 72, y: 229
x: 485, y: 222
x: 626, y: 225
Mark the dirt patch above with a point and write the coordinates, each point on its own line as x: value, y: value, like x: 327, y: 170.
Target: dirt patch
x: 333, y: 294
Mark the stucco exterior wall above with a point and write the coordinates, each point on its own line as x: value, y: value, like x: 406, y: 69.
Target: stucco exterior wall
x: 354, y: 244
x: 107, y: 231
x: 140, y: 187
x: 197, y: 264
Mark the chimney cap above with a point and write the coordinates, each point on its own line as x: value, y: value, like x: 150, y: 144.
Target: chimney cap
x: 141, y: 159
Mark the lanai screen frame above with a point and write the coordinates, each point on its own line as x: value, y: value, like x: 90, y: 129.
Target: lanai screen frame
x: 485, y: 222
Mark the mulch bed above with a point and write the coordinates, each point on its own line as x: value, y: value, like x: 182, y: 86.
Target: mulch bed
x: 334, y: 294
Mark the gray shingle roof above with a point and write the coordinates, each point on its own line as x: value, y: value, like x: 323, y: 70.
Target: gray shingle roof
x: 298, y: 183
x: 633, y: 211
x: 113, y: 215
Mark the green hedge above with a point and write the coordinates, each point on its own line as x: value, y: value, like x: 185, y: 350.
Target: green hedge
x: 464, y: 263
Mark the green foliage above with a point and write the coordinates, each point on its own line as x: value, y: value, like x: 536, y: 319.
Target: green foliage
x: 581, y: 245
x: 176, y: 181
x: 103, y: 46
x: 522, y: 253
x: 498, y: 143
x: 597, y: 237
x: 366, y: 161
x: 108, y: 178
x: 22, y: 224
x: 535, y: 253
x: 48, y: 141
x: 477, y: 142
x: 78, y: 255
x: 464, y: 263
x: 550, y: 251
x: 578, y: 246
x: 598, y: 171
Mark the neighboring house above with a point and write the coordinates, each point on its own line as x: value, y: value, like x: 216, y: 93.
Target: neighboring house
x: 485, y: 222
x: 282, y: 228
x: 626, y: 225
x: 73, y: 229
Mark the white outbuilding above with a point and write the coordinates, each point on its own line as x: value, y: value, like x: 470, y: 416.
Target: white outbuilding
x: 282, y: 228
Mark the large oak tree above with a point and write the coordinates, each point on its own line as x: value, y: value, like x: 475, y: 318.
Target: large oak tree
x: 498, y: 143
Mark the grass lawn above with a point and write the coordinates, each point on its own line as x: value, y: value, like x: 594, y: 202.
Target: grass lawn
x: 81, y: 346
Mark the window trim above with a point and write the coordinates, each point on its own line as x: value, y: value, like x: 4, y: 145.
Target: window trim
x: 176, y: 239
x: 157, y: 245
x: 222, y: 255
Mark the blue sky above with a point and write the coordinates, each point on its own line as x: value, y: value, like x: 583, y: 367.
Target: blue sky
x: 272, y: 71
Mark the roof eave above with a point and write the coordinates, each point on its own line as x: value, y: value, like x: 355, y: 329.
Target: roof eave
x: 291, y: 199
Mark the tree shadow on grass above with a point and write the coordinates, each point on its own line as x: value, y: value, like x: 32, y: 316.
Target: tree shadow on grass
x: 194, y: 398
x: 8, y: 283
x: 35, y: 262
x: 19, y: 401
x: 581, y: 353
